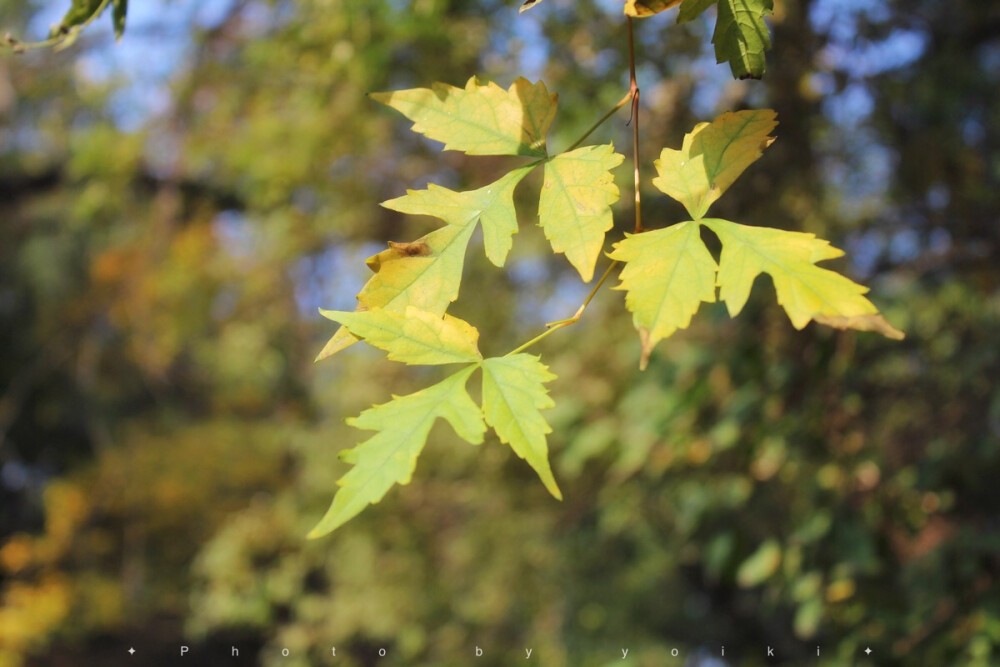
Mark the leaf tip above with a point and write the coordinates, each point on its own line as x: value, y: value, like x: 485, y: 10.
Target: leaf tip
x: 874, y: 323
x: 647, y: 345
x: 316, y: 533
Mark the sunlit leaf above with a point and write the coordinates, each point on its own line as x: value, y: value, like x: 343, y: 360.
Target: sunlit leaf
x: 574, y: 209
x: 741, y: 36
x: 648, y: 7
x: 667, y: 274
x: 479, y: 119
x: 425, y: 273
x: 513, y: 394
x: 712, y: 157
x: 415, y: 336
x: 390, y: 456
x: 806, y: 291
x: 493, y: 205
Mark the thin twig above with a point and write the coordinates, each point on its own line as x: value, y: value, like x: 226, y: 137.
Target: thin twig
x: 18, y: 46
x: 634, y: 90
x: 622, y: 102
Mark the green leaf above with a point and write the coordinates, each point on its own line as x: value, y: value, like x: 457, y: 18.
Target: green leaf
x: 390, y: 456
x: 641, y: 8
x: 479, y: 119
x: 118, y: 16
x: 78, y: 13
x: 692, y: 9
x: 760, y: 565
x: 425, y: 274
x: 574, y: 209
x: 413, y: 337
x: 741, y: 36
x: 712, y: 157
x: 667, y: 274
x: 513, y: 395
x: 492, y: 204
x: 806, y: 291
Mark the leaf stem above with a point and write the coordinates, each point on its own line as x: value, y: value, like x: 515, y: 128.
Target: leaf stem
x: 561, y: 324
x: 634, y: 92
x: 590, y: 297
x: 18, y: 46
x: 611, y: 112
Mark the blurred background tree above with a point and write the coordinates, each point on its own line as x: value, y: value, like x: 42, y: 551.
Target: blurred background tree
x: 176, y: 206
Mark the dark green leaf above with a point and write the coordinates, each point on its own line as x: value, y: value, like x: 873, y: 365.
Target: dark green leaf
x: 120, y: 9
x: 692, y: 9
x: 741, y: 36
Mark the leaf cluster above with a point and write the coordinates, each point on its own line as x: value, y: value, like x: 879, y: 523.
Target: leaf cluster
x: 402, y: 307
x: 667, y: 273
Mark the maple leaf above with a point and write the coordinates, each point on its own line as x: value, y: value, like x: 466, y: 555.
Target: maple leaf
x: 513, y: 395
x: 668, y: 273
x: 741, y: 36
x: 806, y: 291
x: 493, y: 205
x: 574, y: 208
x: 480, y: 119
x: 413, y: 337
x: 712, y: 157
x: 390, y: 456
x: 425, y: 273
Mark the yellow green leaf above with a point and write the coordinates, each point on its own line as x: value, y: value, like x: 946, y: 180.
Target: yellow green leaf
x: 424, y: 273
x: 493, y: 205
x: 390, y: 456
x: 667, y: 274
x: 513, y: 395
x: 712, y: 157
x: 413, y: 337
x: 806, y: 291
x: 574, y: 209
x: 479, y: 119
x: 648, y: 7
x: 341, y: 340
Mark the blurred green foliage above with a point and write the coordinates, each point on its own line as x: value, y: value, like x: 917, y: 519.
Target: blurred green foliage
x: 166, y: 442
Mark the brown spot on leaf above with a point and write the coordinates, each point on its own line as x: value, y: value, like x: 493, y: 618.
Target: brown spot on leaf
x: 397, y: 250
x: 414, y: 249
